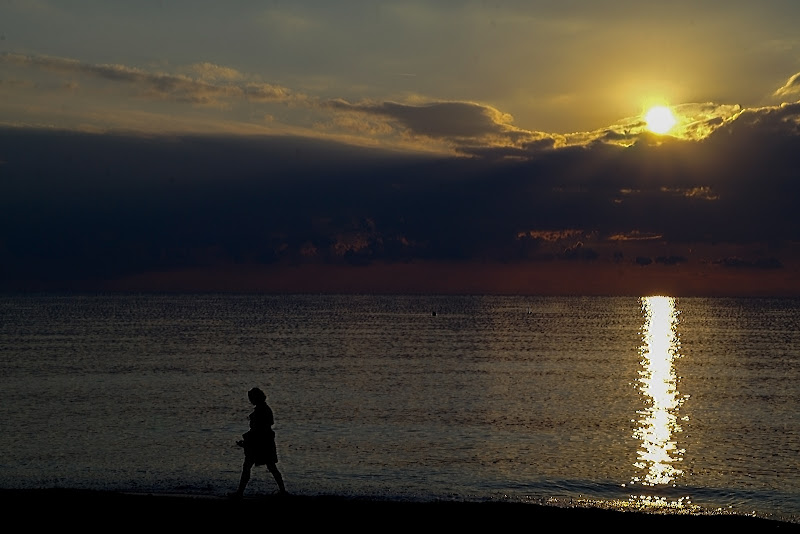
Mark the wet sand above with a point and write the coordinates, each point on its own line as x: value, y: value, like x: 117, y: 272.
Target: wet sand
x: 110, y: 511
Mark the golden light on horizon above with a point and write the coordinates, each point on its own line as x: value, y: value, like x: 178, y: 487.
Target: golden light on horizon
x: 660, y: 119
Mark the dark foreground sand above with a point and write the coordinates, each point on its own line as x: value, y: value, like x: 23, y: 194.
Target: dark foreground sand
x: 124, y: 512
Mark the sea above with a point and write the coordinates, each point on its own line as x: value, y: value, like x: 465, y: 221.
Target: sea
x: 668, y: 405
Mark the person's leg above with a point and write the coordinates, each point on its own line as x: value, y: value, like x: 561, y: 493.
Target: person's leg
x: 277, y: 474
x: 245, y: 478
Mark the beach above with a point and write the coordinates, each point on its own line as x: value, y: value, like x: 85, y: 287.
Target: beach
x: 95, y: 510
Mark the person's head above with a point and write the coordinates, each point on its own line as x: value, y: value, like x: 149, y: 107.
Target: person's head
x: 256, y: 395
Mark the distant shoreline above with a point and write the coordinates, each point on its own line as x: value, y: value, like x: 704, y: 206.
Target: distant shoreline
x: 90, y: 509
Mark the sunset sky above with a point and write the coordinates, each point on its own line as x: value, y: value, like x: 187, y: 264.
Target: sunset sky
x: 440, y: 146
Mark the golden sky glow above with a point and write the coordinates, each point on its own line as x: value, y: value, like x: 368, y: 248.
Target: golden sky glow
x: 521, y: 78
x: 523, y: 133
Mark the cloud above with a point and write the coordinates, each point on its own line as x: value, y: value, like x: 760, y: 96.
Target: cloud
x: 454, y: 120
x: 214, y: 73
x: 740, y: 263
x: 214, y: 86
x: 635, y: 235
x: 183, y: 201
x: 695, y: 122
x: 791, y: 87
x: 699, y: 192
x: 471, y: 128
x: 551, y: 235
x: 467, y: 128
x: 445, y: 119
x: 782, y: 120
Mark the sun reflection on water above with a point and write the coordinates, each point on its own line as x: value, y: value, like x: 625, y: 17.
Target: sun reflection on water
x: 658, y: 421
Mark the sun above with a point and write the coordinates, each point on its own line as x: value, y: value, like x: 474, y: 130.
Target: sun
x: 660, y: 119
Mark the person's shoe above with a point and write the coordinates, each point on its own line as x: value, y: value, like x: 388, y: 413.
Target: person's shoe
x: 235, y: 495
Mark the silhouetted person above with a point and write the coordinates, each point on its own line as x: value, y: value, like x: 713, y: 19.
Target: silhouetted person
x: 259, y: 442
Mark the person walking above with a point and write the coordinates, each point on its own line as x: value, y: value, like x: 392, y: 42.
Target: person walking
x: 259, y: 443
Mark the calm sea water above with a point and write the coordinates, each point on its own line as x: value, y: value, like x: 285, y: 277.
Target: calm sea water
x: 685, y: 405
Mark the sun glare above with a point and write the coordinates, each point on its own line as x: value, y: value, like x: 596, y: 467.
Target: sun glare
x: 660, y: 119
x: 659, y: 422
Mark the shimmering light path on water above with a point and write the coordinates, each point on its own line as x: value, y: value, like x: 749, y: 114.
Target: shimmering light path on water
x: 659, y: 423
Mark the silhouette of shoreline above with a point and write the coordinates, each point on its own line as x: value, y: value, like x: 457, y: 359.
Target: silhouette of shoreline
x: 113, y: 510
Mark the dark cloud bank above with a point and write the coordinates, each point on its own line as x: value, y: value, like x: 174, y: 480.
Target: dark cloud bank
x: 81, y: 207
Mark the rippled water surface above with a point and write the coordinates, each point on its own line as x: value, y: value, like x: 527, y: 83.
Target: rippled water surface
x: 679, y: 404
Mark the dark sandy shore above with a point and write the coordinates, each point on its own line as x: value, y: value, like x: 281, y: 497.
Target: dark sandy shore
x: 115, y: 512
